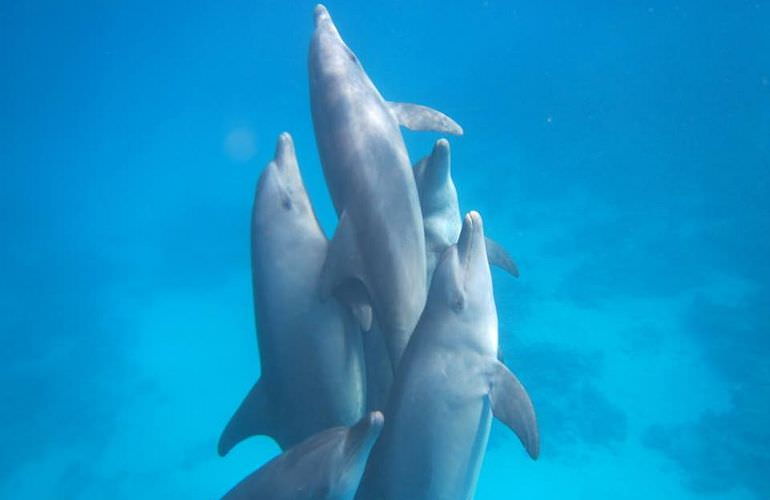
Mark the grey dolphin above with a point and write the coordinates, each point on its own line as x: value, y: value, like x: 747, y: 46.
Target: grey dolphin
x: 441, y: 210
x: 311, y: 352
x: 377, y: 259
x: 326, y: 466
x: 448, y: 386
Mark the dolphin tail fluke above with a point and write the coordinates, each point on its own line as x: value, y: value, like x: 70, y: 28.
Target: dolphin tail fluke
x: 498, y: 256
x: 416, y: 117
x: 512, y: 406
x: 253, y: 417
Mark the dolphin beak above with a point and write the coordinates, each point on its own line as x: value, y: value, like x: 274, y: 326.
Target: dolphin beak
x: 471, y: 237
x: 321, y: 14
x: 284, y: 150
x: 365, y: 432
x: 324, y: 23
x: 439, y: 160
x: 286, y: 163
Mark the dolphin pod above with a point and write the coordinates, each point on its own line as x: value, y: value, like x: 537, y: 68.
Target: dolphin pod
x: 396, y: 313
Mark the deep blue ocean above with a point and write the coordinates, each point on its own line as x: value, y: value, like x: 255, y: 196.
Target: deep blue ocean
x: 619, y: 150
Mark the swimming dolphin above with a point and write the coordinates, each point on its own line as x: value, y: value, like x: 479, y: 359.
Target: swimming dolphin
x: 441, y: 211
x: 377, y: 255
x: 326, y: 466
x: 448, y: 386
x: 311, y: 352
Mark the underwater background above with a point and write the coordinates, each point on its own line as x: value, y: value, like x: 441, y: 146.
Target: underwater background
x: 619, y: 150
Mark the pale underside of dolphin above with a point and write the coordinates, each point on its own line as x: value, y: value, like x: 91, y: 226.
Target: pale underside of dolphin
x: 326, y: 466
x: 377, y: 255
x: 441, y: 210
x: 448, y: 387
x: 311, y: 351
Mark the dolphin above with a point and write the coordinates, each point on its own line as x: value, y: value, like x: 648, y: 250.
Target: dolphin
x: 325, y: 466
x: 311, y: 352
x: 441, y: 211
x: 377, y: 256
x: 448, y: 386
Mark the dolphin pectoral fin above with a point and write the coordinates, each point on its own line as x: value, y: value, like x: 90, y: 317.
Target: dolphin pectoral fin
x: 253, y: 417
x: 343, y: 261
x: 512, y: 406
x: 498, y: 256
x: 417, y: 117
x: 341, y: 274
x: 353, y: 294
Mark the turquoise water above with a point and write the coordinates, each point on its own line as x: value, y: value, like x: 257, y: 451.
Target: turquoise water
x: 621, y: 152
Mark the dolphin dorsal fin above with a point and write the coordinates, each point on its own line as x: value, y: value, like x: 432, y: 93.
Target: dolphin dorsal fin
x: 417, y: 117
x: 253, y: 417
x: 512, y: 406
x: 498, y: 256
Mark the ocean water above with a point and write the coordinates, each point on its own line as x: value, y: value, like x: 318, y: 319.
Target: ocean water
x: 619, y: 150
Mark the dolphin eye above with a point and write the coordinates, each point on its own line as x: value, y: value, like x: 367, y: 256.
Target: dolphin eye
x: 286, y: 203
x: 352, y: 57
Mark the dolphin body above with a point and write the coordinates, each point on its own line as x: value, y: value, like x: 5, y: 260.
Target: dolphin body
x: 311, y: 352
x: 377, y: 257
x: 447, y: 388
x: 441, y: 211
x: 326, y: 466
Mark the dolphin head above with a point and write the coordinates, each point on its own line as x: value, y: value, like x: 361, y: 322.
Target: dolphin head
x: 358, y: 444
x: 330, y: 59
x: 461, y: 289
x: 281, y: 196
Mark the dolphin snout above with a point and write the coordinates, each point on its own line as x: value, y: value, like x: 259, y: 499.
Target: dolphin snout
x: 441, y: 150
x: 472, y: 234
x: 365, y: 432
x: 284, y: 149
x: 321, y: 14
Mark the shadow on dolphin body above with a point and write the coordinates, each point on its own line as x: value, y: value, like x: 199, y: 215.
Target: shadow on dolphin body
x: 311, y: 352
x: 379, y: 241
x: 448, y: 386
x: 326, y: 466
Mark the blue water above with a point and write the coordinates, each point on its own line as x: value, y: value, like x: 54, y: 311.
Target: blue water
x: 620, y: 150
